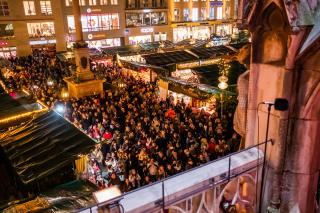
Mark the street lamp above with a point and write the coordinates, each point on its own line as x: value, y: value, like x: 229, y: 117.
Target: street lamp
x: 222, y: 85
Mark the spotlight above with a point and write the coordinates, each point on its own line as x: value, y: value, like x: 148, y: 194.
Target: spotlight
x: 60, y: 109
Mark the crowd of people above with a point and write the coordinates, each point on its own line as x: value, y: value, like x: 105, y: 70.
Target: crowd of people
x: 140, y: 137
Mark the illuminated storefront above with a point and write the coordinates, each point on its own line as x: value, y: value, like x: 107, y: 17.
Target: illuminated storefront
x: 134, y: 40
x: 136, y: 19
x: 198, y: 32
x: 7, y: 52
x: 103, y: 43
x: 95, y: 22
x: 41, y: 29
x: 224, y: 29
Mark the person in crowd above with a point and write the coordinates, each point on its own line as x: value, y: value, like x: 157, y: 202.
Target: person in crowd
x: 141, y: 137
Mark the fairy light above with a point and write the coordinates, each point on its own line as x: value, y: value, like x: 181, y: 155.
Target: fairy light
x: 23, y: 115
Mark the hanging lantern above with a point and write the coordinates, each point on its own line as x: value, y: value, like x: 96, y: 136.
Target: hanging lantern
x: 64, y: 93
x: 223, y: 85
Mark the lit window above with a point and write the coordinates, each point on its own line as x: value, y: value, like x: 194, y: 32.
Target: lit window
x: 103, y: 2
x: 219, y: 12
x: 41, y: 29
x: 194, y: 0
x: 211, y: 15
x: 92, y: 2
x: 6, y: 30
x: 186, y: 0
x: 114, y: 2
x: 176, y: 14
x: 194, y: 14
x: 81, y: 2
x: 176, y: 0
x: 135, y: 19
x: 186, y: 14
x: 45, y: 7
x: 4, y: 8
x: 29, y: 8
x: 203, y: 13
x: 93, y: 23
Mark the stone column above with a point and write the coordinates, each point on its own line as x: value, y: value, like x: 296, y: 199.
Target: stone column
x: 207, y: 9
x: 77, y: 20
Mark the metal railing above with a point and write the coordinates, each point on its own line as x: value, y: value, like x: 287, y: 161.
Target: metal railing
x: 163, y: 191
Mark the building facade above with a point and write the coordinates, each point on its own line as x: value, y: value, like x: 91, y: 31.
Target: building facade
x: 26, y: 25
x: 200, y: 19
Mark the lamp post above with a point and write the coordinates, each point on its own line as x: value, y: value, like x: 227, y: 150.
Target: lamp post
x: 222, y: 85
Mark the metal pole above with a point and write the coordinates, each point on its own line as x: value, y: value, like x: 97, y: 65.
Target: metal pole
x: 229, y: 168
x: 162, y: 196
x: 264, y: 160
x: 221, y: 101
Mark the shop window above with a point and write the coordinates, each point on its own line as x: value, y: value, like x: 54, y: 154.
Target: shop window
x: 134, y: 40
x: 81, y: 2
x: 6, y: 30
x: 114, y: 2
x: 7, y: 52
x: 45, y: 7
x: 186, y: 14
x: 92, y: 23
x: 146, y: 19
x: 160, y: 36
x: 219, y: 12
x: 92, y: 2
x: 113, y: 42
x: 103, y: 2
x: 4, y: 8
x: 29, y: 8
x: 41, y: 29
x: 195, y: 14
x: 176, y: 14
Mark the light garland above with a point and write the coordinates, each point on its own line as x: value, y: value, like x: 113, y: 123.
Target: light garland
x: 23, y: 115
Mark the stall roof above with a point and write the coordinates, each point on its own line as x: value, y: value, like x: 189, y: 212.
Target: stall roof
x: 191, y: 43
x: 212, y: 52
x: 43, y: 145
x: 138, y: 66
x: 122, y: 51
x: 174, y: 57
x: 156, y: 45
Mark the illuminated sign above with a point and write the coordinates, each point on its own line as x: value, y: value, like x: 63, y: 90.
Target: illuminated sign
x: 37, y: 42
x: 96, y: 36
x: 147, y: 30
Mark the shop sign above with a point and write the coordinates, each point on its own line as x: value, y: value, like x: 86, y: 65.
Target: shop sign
x: 216, y: 3
x: 147, y: 30
x: 37, y: 42
x: 89, y: 10
x: 96, y: 36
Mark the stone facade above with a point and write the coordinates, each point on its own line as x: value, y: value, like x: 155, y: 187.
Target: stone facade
x: 280, y: 69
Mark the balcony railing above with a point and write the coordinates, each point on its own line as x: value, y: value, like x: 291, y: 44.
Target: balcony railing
x: 160, y: 195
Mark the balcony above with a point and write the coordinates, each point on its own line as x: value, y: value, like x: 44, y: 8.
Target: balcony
x: 210, y: 179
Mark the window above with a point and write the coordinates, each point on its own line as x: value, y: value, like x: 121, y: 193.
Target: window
x: 176, y: 14
x: 4, y: 8
x: 211, y: 13
x: 92, y: 2
x: 114, y: 2
x: 6, y: 30
x: 219, y: 12
x: 146, y: 19
x: 203, y: 14
x: 92, y: 23
x: 45, y: 7
x: 176, y: 0
x: 186, y: 14
x: 29, y: 8
x: 41, y: 29
x: 81, y: 2
x: 194, y: 14
x: 131, y: 3
x: 103, y: 2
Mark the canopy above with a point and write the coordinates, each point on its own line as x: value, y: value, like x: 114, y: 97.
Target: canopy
x: 43, y: 145
x: 212, y: 52
x: 174, y: 57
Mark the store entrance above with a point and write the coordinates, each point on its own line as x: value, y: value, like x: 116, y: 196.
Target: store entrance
x: 50, y: 49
